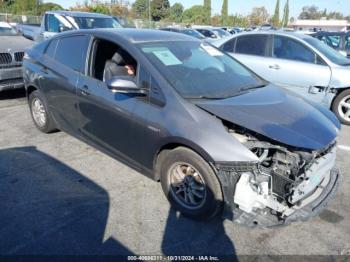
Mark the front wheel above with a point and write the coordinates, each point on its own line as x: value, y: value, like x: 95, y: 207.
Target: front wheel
x: 190, y: 184
x: 341, y: 107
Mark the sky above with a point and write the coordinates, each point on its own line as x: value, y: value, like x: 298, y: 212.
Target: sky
x: 244, y: 7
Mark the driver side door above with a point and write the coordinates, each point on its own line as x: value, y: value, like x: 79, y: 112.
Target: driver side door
x: 297, y: 68
x: 107, y: 118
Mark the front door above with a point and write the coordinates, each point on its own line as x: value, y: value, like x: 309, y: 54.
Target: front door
x: 297, y: 68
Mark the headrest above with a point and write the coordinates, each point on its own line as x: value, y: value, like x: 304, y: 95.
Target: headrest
x: 121, y: 58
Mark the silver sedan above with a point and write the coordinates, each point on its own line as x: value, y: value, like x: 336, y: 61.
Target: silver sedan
x: 298, y: 63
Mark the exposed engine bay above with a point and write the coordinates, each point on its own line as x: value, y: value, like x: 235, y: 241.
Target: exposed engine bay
x: 284, y: 180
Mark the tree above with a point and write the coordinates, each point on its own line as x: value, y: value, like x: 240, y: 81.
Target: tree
x: 259, y: 16
x: 175, y: 12
x: 207, y: 7
x: 140, y: 8
x: 196, y: 14
x: 224, y: 12
x: 310, y: 12
x: 238, y: 20
x: 285, y: 19
x: 159, y: 9
x: 276, y: 16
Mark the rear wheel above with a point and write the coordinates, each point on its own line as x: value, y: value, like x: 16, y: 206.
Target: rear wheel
x: 190, y: 184
x: 40, y: 113
x: 341, y: 107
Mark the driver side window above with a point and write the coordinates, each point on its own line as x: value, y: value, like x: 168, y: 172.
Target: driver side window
x: 53, y: 24
x: 110, y: 60
x: 290, y: 49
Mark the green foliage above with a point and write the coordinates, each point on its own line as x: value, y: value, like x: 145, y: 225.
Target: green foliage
x: 159, y: 9
x: 196, y: 14
x: 140, y: 8
x: 238, y: 20
x: 27, y: 7
x: 175, y: 12
x: 276, y: 16
x: 259, y: 16
x: 224, y: 13
x: 310, y: 12
x: 207, y: 7
x: 285, y: 19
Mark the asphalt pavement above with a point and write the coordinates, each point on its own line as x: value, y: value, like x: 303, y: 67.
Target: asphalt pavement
x: 60, y: 196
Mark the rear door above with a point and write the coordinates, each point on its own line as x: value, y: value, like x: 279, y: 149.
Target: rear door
x: 63, y: 64
x: 251, y: 50
x: 296, y: 67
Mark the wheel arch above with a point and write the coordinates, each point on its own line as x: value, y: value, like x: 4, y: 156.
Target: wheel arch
x: 337, y: 92
x: 30, y: 89
x: 176, y: 143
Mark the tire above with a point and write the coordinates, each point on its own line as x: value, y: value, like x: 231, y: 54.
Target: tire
x: 196, y: 174
x: 42, y: 120
x: 341, y: 107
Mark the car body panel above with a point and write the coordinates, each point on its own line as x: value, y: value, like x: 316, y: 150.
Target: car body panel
x: 279, y: 116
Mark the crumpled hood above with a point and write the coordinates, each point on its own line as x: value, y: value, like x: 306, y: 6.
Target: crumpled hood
x: 16, y: 43
x: 279, y: 116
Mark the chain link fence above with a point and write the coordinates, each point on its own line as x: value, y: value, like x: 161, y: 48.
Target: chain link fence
x: 20, y: 19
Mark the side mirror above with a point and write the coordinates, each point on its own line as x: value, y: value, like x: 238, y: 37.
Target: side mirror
x: 124, y: 85
x: 63, y: 29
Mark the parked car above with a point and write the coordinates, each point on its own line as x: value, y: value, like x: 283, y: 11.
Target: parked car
x: 186, y: 31
x: 183, y: 112
x: 297, y: 62
x: 339, y: 41
x: 54, y: 22
x: 212, y: 32
x: 12, y: 46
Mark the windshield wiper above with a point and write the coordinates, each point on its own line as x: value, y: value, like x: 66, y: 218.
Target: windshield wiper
x: 252, y: 87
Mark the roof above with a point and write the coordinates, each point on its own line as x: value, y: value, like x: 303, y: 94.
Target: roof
x: 320, y: 23
x: 290, y: 34
x: 78, y: 14
x: 138, y: 35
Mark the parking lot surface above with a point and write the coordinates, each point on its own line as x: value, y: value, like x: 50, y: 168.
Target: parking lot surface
x: 60, y: 196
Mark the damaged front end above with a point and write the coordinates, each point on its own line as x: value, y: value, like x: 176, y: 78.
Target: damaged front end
x: 287, y: 184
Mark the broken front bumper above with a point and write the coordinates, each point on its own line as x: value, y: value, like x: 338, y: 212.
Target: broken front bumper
x: 316, y: 202
x: 11, y: 77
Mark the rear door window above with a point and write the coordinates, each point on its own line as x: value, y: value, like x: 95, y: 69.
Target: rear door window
x: 51, y: 49
x: 252, y: 45
x: 290, y: 49
x: 71, y: 52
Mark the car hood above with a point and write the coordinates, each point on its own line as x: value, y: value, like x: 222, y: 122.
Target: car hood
x: 279, y: 116
x: 15, y: 43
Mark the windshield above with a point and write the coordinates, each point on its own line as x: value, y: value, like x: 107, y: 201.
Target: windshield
x: 334, y: 56
x: 93, y: 22
x: 198, y: 70
x: 222, y: 33
x: 6, y: 29
x: 193, y: 33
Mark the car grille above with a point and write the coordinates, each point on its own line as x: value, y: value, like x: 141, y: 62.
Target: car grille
x: 5, y: 58
x: 19, y: 56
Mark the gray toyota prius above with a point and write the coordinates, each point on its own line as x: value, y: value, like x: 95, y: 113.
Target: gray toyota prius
x: 219, y: 138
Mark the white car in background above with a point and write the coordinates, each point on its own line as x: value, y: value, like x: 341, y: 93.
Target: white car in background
x: 297, y: 62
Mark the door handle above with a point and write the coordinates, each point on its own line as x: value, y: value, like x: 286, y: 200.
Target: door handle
x: 275, y: 67
x: 84, y: 90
